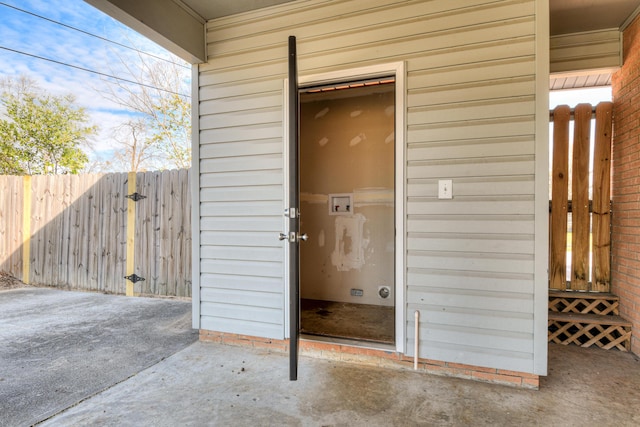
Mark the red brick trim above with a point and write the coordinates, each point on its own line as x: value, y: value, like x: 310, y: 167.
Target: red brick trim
x: 379, y: 358
x: 625, y: 220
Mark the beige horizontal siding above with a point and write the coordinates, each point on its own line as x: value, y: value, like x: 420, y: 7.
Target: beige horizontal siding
x: 485, y: 319
x: 586, y: 51
x: 473, y: 280
x: 498, y: 186
x: 473, y: 243
x: 471, y: 88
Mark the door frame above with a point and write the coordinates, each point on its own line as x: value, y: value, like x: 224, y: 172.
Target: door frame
x: 396, y: 69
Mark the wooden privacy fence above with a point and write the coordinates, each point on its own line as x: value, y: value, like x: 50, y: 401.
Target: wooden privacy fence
x: 590, y: 239
x: 83, y: 232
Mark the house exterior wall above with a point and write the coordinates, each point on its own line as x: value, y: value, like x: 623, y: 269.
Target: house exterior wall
x: 625, y: 274
x: 586, y: 51
x: 474, y: 265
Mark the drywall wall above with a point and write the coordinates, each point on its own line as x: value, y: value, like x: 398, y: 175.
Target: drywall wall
x: 347, y: 146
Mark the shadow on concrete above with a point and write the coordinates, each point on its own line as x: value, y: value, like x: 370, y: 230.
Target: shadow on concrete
x: 60, y: 348
x: 77, y: 359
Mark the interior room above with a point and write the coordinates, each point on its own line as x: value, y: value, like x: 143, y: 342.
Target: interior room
x: 347, y: 140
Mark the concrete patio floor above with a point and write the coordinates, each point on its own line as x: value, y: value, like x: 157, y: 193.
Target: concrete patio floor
x: 57, y: 348
x: 215, y: 385
x: 211, y: 384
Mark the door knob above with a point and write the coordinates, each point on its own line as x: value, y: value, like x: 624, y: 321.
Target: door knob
x: 293, y: 237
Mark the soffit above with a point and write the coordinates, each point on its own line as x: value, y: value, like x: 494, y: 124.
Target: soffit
x: 576, y: 16
x: 580, y: 81
x: 567, y: 16
x: 212, y: 9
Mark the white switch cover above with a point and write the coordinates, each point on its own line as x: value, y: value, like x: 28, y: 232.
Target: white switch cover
x: 445, y: 189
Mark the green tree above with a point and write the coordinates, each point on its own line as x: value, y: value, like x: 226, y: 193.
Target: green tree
x: 42, y: 134
x: 172, y: 125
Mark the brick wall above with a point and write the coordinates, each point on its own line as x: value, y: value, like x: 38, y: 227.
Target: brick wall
x: 626, y: 183
x: 380, y: 358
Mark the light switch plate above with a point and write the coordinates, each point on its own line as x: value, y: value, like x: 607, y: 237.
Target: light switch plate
x: 445, y: 189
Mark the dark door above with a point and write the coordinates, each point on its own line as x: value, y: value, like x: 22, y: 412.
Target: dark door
x: 292, y: 212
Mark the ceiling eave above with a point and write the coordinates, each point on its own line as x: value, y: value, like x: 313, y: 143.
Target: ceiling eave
x: 169, y: 23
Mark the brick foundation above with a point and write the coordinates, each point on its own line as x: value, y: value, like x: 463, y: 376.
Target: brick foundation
x: 379, y: 358
x: 625, y: 221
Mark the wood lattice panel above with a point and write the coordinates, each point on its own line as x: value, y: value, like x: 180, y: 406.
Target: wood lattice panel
x: 586, y: 319
x: 585, y: 334
x: 574, y: 302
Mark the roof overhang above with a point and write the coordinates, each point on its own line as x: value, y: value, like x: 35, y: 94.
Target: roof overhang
x: 586, y: 41
x: 179, y: 26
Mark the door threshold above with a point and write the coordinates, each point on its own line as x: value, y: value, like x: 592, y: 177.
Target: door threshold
x: 350, y: 342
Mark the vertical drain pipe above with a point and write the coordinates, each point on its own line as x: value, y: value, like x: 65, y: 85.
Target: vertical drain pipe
x: 415, y: 340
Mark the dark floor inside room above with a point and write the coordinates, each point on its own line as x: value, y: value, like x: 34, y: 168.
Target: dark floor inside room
x: 363, y: 322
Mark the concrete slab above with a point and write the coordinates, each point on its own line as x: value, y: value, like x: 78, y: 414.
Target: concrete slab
x: 60, y: 347
x: 212, y: 384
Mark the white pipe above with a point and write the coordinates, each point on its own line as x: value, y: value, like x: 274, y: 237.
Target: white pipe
x: 415, y: 341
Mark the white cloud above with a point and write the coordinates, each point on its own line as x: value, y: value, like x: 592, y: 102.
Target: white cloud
x: 35, y: 36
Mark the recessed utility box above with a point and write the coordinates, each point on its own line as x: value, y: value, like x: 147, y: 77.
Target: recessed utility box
x: 341, y: 204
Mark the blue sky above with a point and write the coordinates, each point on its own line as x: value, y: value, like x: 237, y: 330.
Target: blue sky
x: 33, y: 35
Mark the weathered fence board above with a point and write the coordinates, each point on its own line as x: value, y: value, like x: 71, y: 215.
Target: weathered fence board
x: 163, y: 233
x: 11, y: 203
x: 601, y: 276
x: 79, y: 232
x: 589, y: 218
x: 560, y: 196
x: 580, y: 198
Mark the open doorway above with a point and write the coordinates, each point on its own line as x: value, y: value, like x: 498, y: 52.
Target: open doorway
x: 347, y: 204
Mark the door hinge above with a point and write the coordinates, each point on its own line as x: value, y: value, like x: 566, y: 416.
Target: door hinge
x: 135, y: 196
x: 134, y: 278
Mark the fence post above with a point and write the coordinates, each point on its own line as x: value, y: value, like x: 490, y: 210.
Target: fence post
x: 131, y: 232
x: 26, y: 228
